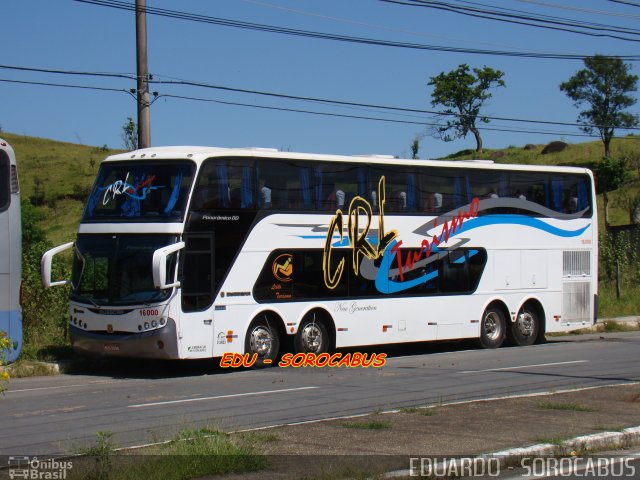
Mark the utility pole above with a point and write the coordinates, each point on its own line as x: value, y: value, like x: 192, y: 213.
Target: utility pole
x: 144, y: 115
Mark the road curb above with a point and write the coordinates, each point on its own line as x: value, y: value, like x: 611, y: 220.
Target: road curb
x: 578, y: 446
x: 596, y: 442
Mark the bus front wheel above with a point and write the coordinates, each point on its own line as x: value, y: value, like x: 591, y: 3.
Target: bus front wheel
x: 492, y: 328
x: 263, y: 339
x: 312, y: 337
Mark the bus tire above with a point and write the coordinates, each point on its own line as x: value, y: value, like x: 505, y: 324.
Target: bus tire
x: 524, y: 331
x: 263, y: 339
x: 493, y: 328
x: 312, y: 337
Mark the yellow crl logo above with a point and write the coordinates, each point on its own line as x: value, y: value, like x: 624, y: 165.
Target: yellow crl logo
x: 283, y: 267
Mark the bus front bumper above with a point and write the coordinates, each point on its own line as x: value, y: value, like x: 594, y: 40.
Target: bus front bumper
x: 160, y: 343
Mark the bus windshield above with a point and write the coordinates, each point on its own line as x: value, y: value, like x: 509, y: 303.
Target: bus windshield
x: 140, y: 191
x: 116, y: 269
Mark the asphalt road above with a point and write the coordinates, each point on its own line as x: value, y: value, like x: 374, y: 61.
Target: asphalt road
x: 142, y: 402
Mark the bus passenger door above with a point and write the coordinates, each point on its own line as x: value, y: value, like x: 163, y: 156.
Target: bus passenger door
x: 196, y: 276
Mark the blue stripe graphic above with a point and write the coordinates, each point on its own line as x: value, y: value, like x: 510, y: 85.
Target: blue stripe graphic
x: 523, y: 220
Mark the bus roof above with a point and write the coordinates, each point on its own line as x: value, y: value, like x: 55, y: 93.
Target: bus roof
x: 199, y: 154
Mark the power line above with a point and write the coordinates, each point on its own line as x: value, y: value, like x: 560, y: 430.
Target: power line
x: 424, y: 123
x: 116, y: 4
x: 379, y: 119
x: 68, y: 72
x: 370, y: 25
x: 326, y: 101
x: 589, y: 29
x: 366, y: 105
x: 65, y: 85
x: 582, y: 10
x: 633, y: 4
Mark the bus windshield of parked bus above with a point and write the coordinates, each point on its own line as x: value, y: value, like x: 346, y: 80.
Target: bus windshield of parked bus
x: 116, y: 269
x: 140, y: 191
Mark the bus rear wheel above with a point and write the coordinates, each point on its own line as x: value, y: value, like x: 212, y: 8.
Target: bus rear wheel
x: 312, y: 337
x: 524, y: 330
x: 492, y: 328
x: 263, y: 339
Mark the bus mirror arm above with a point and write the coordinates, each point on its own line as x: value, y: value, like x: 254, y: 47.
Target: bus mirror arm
x: 45, y: 265
x: 159, y: 265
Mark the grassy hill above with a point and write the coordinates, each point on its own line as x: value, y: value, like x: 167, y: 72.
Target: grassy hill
x: 57, y: 176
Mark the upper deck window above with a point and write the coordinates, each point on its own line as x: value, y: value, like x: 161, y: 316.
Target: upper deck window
x: 140, y: 191
x: 319, y: 186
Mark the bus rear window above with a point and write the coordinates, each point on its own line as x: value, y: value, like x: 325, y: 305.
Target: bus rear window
x: 141, y: 191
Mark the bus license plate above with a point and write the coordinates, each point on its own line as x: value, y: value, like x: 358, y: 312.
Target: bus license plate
x: 111, y: 347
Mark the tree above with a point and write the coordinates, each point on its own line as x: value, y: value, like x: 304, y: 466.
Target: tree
x: 610, y: 174
x: 130, y: 134
x: 463, y: 94
x: 604, y: 87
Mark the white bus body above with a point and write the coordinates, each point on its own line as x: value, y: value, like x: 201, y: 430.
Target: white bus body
x: 10, y: 251
x: 192, y: 252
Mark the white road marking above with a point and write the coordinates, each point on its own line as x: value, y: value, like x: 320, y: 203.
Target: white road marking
x: 200, y: 399
x: 524, y: 366
x: 62, y: 386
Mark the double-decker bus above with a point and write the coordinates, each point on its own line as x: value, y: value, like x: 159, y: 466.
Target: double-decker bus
x: 193, y: 252
x: 10, y: 252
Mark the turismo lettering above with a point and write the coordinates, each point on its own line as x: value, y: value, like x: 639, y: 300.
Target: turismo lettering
x: 426, y: 247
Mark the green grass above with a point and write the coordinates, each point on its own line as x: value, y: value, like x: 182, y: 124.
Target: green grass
x: 569, y: 406
x: 190, y: 454
x: 611, y: 326
x: 628, y: 304
x: 370, y: 425
x: 30, y: 368
x: 580, y: 154
x: 557, y: 441
x: 427, y: 412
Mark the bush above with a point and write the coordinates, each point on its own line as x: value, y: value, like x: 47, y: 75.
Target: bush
x: 44, y: 312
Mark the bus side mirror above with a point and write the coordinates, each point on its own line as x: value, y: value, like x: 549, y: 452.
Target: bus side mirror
x: 159, y: 265
x: 45, y: 265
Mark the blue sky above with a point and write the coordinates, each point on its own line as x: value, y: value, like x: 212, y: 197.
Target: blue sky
x: 68, y: 35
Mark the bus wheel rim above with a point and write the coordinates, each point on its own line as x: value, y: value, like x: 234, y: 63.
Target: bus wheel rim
x: 525, y: 324
x: 311, y: 338
x: 261, y: 341
x: 491, y: 326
